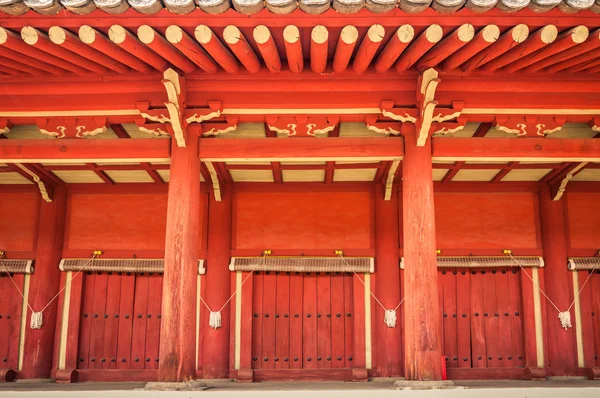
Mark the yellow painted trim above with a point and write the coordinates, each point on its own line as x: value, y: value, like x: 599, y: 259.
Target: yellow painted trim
x: 238, y: 321
x: 537, y: 308
x: 24, y: 310
x: 522, y: 111
x: 89, y: 160
x: 578, y: 330
x: 64, y: 326
x: 107, y: 112
x: 301, y: 111
x: 298, y: 159
x: 368, y: 348
x: 198, y: 286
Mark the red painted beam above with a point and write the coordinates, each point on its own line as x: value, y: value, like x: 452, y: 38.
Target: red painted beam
x: 344, y: 48
x: 35, y: 151
x: 564, y: 149
x: 293, y: 48
x: 323, y: 148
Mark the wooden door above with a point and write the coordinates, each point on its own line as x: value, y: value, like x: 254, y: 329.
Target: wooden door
x: 120, y: 322
x: 482, y: 318
x: 11, y: 304
x: 302, y: 320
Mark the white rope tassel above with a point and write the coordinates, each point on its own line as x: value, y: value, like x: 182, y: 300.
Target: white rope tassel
x: 215, y: 320
x: 37, y: 320
x: 565, y: 319
x: 390, y: 318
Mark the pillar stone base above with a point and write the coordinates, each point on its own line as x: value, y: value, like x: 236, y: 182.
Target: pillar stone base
x: 182, y: 386
x: 424, y: 385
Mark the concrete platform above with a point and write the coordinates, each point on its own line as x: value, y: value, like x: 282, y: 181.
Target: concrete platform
x: 377, y: 388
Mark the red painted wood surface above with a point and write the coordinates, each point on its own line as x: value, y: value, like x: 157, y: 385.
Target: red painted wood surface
x: 10, y: 323
x: 583, y: 220
x: 562, y: 351
x: 529, y: 319
x: 126, y: 316
x: 218, y: 285
x: 92, y: 219
x: 309, y: 326
x: 387, y: 287
x: 296, y: 320
x: 246, y: 321
x: 307, y: 220
x: 421, y: 306
x: 358, y: 360
x: 178, y: 328
x: 153, y: 321
x: 353, y: 338
x: 19, y: 220
x: 121, y: 322
x: 301, y: 321
x: 257, y: 319
x: 590, y: 317
x: 338, y: 329
x: 282, y: 321
x: 44, y: 285
x: 485, y: 220
x: 482, y: 315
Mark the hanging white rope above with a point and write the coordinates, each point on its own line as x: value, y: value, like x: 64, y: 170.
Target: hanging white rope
x: 214, y: 320
x: 389, y: 317
x: 563, y: 316
x: 37, y: 317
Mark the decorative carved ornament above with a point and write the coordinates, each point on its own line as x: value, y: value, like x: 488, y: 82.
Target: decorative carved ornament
x: 302, y: 126
x: 72, y: 127
x: 389, y: 183
x: 529, y: 125
x: 175, y: 112
x: 429, y: 118
x: 41, y: 186
x: 557, y: 190
x: 595, y: 124
x: 214, y: 178
x: 216, y: 129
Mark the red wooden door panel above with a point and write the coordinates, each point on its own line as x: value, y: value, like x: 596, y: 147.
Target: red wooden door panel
x: 282, y: 321
x: 120, y: 326
x: 301, y: 320
x: 482, y: 318
x: 296, y: 320
x: 10, y: 320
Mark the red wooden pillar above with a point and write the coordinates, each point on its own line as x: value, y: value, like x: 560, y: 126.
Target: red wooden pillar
x: 218, y: 285
x: 44, y: 284
x: 562, y: 353
x: 178, y: 326
x: 422, y: 318
x: 389, y: 345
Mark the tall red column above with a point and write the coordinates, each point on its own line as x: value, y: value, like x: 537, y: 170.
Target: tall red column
x: 562, y: 352
x: 389, y: 344
x: 44, y: 285
x: 218, y: 285
x: 422, y: 318
x: 178, y: 326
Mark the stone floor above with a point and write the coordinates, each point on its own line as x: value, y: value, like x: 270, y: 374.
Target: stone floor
x: 576, y: 388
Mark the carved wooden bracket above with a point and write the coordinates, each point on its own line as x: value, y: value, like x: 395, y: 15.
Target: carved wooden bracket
x: 385, y: 128
x: 594, y: 124
x: 214, y: 178
x: 429, y: 118
x: 5, y: 126
x: 389, y: 182
x: 216, y: 129
x: 529, y: 125
x: 175, y: 112
x: 45, y: 191
x: 72, y: 127
x: 559, y: 185
x: 302, y: 126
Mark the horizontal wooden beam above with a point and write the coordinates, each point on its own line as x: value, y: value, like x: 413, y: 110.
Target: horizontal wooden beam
x: 65, y: 150
x: 517, y: 149
x: 221, y: 150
